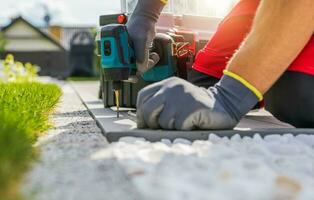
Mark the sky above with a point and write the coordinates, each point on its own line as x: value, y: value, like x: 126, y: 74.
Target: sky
x: 64, y: 12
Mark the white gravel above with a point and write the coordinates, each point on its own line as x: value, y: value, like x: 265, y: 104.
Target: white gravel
x: 274, y: 168
x: 77, y: 163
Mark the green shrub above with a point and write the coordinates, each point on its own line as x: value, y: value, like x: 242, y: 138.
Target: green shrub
x: 24, y: 114
x: 15, y: 154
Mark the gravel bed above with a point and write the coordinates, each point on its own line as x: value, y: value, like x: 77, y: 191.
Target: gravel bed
x: 274, y: 168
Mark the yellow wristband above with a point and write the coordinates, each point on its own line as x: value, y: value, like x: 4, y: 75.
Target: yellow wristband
x: 245, y: 83
x: 164, y: 1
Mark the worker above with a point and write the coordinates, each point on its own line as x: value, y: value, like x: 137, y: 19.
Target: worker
x: 262, y: 50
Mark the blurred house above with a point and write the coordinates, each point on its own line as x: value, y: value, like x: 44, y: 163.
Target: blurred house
x: 80, y: 43
x: 59, y: 51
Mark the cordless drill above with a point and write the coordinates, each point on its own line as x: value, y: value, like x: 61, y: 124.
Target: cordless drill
x: 118, y: 57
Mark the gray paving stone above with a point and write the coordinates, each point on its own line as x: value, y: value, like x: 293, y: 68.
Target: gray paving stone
x: 261, y: 122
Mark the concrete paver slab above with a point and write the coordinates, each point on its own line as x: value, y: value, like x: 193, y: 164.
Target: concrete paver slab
x: 261, y: 122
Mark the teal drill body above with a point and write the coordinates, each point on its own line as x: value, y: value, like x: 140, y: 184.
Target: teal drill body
x: 118, y: 60
x: 117, y: 56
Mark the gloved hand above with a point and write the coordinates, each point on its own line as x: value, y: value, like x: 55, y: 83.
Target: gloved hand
x: 177, y: 104
x: 141, y: 28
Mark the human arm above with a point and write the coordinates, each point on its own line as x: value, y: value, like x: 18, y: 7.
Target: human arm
x: 280, y: 31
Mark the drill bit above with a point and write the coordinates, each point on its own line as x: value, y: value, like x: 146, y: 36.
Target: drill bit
x: 117, y: 94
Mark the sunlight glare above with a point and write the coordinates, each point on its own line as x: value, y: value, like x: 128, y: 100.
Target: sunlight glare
x: 221, y: 7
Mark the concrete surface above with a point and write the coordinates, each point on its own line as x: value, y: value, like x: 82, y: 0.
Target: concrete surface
x: 261, y: 122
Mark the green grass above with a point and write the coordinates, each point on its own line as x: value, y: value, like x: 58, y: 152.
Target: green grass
x: 24, y: 115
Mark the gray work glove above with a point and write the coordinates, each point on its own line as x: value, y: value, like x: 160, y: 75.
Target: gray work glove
x: 177, y: 104
x: 141, y: 28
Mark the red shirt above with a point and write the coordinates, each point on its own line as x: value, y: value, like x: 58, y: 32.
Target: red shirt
x: 213, y: 58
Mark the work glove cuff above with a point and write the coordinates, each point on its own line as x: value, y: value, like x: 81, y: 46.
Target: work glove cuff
x: 236, y: 98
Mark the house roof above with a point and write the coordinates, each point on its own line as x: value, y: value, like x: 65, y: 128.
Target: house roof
x: 45, y: 35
